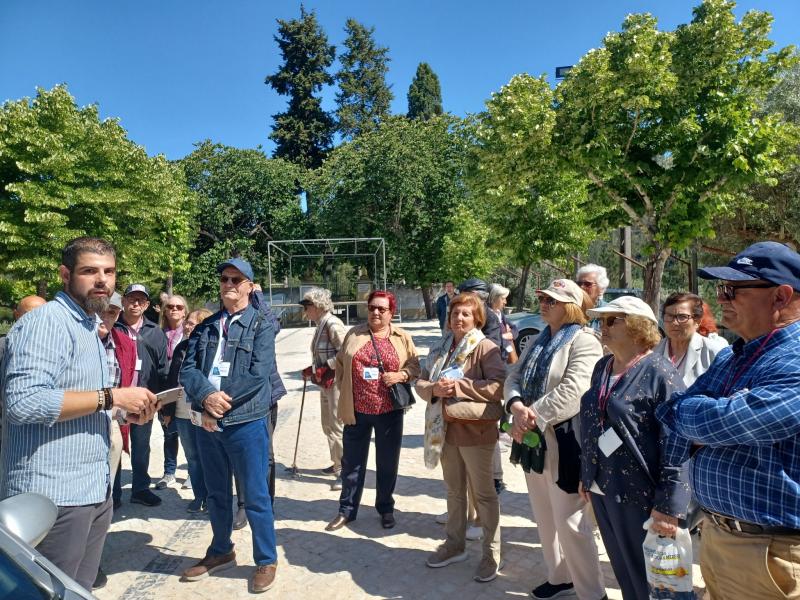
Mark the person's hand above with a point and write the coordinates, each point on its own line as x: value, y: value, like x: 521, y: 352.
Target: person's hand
x: 663, y: 524
x: 144, y: 416
x: 135, y: 400
x: 217, y: 404
x: 209, y: 423
x: 444, y: 388
x: 391, y: 378
x: 583, y: 493
x: 166, y: 419
x: 307, y: 372
x: 524, y: 419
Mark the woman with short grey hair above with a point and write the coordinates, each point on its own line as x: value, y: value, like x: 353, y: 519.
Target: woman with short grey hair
x: 318, y: 297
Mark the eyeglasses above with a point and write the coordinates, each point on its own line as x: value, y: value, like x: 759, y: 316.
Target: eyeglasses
x: 234, y: 280
x: 609, y: 321
x: 586, y: 284
x: 141, y: 301
x: 727, y: 292
x: 380, y: 309
x: 175, y: 307
x: 677, y: 318
x: 547, y: 301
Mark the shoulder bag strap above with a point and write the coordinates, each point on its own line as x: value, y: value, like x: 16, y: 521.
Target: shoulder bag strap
x: 377, y: 353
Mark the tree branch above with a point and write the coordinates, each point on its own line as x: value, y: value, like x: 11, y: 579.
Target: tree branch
x: 635, y: 218
x: 648, y: 205
x: 633, y: 132
x: 209, y: 235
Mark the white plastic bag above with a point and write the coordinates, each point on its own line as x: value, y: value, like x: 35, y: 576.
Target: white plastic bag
x: 668, y: 563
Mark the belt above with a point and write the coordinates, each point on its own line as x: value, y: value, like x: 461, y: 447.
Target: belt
x: 745, y: 527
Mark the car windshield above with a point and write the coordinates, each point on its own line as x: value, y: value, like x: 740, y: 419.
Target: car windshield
x: 17, y: 583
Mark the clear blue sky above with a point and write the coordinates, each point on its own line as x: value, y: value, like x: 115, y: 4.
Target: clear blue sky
x: 179, y: 71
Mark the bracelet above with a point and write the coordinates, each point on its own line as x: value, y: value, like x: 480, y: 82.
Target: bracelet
x: 108, y: 397
x: 100, y: 401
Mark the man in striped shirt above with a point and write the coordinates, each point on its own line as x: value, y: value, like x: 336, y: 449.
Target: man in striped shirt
x: 56, y: 439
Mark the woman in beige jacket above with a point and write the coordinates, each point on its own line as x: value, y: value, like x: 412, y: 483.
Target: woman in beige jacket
x: 543, y: 394
x: 365, y: 405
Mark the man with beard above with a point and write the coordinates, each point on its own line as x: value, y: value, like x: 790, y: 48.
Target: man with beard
x: 57, y: 438
x: 150, y: 372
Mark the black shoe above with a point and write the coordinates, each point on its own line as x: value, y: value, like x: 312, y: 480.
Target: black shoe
x: 387, y: 520
x: 145, y: 497
x: 329, y: 470
x: 240, y: 520
x: 100, y: 581
x: 547, y: 590
x: 499, y: 486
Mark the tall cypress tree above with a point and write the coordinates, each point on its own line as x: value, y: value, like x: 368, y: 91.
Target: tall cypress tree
x: 303, y: 134
x: 363, y: 99
x: 424, y: 94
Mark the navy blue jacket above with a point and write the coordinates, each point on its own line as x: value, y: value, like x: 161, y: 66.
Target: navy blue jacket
x: 251, y: 352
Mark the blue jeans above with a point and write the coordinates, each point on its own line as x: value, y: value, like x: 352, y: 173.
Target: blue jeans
x: 245, y: 447
x: 170, y: 447
x: 188, y: 434
x: 140, y: 456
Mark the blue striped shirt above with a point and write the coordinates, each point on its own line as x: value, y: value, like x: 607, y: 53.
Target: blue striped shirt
x: 744, y: 413
x: 51, y: 350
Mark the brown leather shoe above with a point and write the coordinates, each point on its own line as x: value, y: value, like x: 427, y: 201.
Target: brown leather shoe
x: 263, y: 578
x: 337, y: 523
x: 209, y: 565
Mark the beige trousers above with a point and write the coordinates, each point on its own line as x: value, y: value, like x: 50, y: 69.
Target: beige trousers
x: 744, y: 566
x: 568, y: 545
x: 475, y: 463
x: 331, y: 425
x: 115, y: 450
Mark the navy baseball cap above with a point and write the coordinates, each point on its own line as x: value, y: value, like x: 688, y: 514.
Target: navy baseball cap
x: 473, y: 285
x: 136, y: 287
x: 239, y: 264
x: 770, y: 261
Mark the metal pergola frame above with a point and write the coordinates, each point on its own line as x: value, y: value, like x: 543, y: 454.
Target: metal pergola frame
x: 330, y: 246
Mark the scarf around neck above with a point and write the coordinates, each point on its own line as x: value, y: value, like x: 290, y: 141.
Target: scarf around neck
x: 537, y: 363
x: 440, y: 358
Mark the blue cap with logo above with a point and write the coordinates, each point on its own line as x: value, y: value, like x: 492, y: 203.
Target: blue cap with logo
x: 770, y: 261
x: 136, y: 287
x: 239, y: 264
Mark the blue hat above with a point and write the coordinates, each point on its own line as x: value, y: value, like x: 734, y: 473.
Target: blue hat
x: 136, y: 287
x: 239, y: 264
x: 770, y: 261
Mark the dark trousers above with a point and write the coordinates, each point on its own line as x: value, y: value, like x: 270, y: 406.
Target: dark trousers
x: 272, y: 420
x: 75, y: 543
x: 388, y: 439
x: 623, y: 536
x: 140, y: 456
x: 188, y: 433
x: 170, y: 446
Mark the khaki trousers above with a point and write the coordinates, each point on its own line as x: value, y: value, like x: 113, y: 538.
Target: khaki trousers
x: 331, y: 425
x: 568, y: 545
x: 744, y: 566
x: 115, y: 450
x: 475, y: 463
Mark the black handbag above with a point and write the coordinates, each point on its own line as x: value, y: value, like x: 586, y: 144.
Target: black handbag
x: 569, y: 457
x: 400, y: 394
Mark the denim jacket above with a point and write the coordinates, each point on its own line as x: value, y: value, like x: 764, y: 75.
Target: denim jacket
x: 251, y: 352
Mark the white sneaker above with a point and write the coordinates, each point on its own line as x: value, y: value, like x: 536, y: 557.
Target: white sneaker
x: 167, y: 480
x: 474, y: 533
x: 187, y: 485
x: 441, y: 519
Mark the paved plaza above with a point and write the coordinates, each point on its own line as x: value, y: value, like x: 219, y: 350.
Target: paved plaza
x: 148, y: 548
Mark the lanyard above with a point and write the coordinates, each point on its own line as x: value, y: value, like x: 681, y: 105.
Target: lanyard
x: 606, y: 389
x: 737, y: 374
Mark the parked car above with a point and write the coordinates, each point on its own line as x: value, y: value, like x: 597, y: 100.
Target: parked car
x: 24, y: 573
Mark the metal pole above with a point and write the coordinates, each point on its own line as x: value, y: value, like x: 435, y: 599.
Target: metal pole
x: 383, y: 252
x: 293, y: 468
x: 269, y: 270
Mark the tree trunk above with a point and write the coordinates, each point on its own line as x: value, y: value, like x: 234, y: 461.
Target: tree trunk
x: 523, y: 286
x: 168, y: 284
x: 427, y: 293
x: 41, y: 288
x: 653, y: 272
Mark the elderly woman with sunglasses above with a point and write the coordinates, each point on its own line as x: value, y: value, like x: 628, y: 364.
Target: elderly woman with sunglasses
x: 543, y: 394
x: 625, y: 472
x: 373, y: 357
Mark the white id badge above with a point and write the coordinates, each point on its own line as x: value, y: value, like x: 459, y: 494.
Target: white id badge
x: 609, y: 441
x: 224, y: 369
x: 452, y: 373
x: 138, y: 364
x: 196, y: 418
x: 371, y: 373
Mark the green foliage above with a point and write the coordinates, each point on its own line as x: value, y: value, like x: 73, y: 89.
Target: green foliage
x: 424, y: 94
x: 664, y: 123
x: 467, y: 248
x: 244, y: 200
x: 529, y: 195
x: 402, y: 182
x: 303, y: 134
x: 63, y: 174
x: 363, y: 99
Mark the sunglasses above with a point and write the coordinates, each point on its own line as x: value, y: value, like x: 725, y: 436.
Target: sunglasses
x: 547, y: 301
x: 727, y: 292
x: 609, y: 321
x: 586, y: 284
x: 677, y: 318
x: 175, y: 307
x: 380, y: 309
x: 233, y: 280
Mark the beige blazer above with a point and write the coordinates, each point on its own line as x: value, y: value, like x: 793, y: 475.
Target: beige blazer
x: 353, y: 342
x: 568, y: 379
x: 699, y: 355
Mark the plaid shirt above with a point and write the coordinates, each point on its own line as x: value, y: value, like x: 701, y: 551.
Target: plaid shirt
x: 744, y: 414
x: 114, y: 372
x: 327, y: 341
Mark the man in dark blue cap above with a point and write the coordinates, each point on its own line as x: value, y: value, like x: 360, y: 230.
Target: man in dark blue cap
x: 740, y: 422
x: 226, y: 376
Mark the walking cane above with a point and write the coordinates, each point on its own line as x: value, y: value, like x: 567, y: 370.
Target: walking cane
x: 293, y: 469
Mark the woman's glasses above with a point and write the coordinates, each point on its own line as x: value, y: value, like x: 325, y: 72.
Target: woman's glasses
x: 725, y: 291
x: 380, y: 309
x: 609, y: 321
x: 680, y: 318
x: 547, y: 301
x: 175, y: 307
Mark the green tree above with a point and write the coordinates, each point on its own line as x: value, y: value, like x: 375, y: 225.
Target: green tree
x: 424, y: 94
x: 244, y: 199
x: 529, y: 193
x: 65, y: 173
x: 666, y: 123
x: 303, y: 134
x: 403, y: 182
x: 363, y: 99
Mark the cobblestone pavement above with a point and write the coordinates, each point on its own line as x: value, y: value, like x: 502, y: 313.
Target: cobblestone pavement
x: 148, y: 548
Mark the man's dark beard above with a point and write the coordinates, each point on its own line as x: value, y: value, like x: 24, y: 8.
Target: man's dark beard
x: 94, y: 305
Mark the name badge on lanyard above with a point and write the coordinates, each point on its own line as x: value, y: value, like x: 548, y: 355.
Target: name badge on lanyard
x: 609, y: 442
x: 222, y: 369
x: 138, y: 364
x: 371, y: 373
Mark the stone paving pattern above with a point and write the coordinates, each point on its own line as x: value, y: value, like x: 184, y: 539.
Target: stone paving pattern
x: 148, y: 548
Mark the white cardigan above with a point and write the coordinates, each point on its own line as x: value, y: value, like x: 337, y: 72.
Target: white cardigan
x: 699, y: 355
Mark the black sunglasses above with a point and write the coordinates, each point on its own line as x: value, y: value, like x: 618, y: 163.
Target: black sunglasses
x: 233, y: 280
x: 609, y: 321
x: 725, y: 291
x: 547, y: 301
x: 380, y: 309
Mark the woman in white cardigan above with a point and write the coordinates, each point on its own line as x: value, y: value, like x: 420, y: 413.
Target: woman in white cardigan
x: 543, y: 393
x: 690, y: 352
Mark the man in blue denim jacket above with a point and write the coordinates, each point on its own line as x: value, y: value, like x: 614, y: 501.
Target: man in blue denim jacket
x: 226, y: 376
